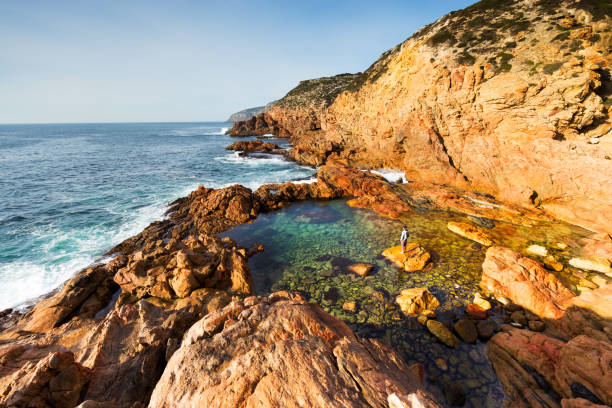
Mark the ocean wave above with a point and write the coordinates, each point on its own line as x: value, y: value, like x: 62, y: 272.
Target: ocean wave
x: 391, y: 175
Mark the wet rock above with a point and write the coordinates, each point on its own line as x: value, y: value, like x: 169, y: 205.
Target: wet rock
x: 485, y: 329
x: 279, y: 343
x: 524, y: 281
x: 519, y: 318
x: 441, y: 364
x: 536, y: 325
x: 470, y: 232
x: 552, y: 263
x: 579, y: 403
x: 537, y: 250
x: 422, y: 319
x: 466, y: 329
x: 481, y: 302
x: 415, y: 258
x: 413, y: 400
x: 475, y: 311
x: 415, y: 300
x: 442, y: 333
x: 592, y: 264
x: 350, y: 306
x: 249, y: 146
x: 454, y: 393
x: 361, y: 269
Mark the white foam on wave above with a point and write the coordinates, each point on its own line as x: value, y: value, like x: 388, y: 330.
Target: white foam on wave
x: 391, y: 175
x: 236, y: 158
x: 68, y: 252
x: 309, y: 180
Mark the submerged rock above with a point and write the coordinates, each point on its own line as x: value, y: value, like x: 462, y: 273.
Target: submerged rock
x: 415, y: 300
x: 442, y: 333
x: 466, y: 329
x: 253, y: 146
x: 361, y: 269
x: 470, y: 232
x: 415, y: 258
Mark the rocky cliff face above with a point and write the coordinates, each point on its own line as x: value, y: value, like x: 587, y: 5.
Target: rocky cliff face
x: 509, y: 98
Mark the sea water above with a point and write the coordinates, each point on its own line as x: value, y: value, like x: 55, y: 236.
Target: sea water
x: 70, y: 192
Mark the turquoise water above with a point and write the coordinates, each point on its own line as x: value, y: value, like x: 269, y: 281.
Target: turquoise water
x: 71, y: 192
x: 308, y: 245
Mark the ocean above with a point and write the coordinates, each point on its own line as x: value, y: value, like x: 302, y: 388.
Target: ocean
x: 70, y: 192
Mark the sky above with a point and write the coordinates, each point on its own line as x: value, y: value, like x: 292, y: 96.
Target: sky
x: 182, y: 61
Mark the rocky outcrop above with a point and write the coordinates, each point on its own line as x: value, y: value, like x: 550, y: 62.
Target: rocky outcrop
x: 508, y: 274
x: 540, y: 371
x: 280, y: 351
x: 249, y: 113
x: 254, y: 146
x: 499, y: 98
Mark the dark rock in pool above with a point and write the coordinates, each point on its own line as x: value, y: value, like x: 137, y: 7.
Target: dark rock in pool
x: 323, y: 258
x: 466, y: 329
x: 332, y: 295
x: 482, y: 222
x: 454, y: 393
x: 485, y: 329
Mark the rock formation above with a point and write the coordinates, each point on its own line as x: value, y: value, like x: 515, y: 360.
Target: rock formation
x: 504, y: 98
x: 280, y: 351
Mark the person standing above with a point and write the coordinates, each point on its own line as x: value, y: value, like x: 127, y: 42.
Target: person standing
x: 404, y: 238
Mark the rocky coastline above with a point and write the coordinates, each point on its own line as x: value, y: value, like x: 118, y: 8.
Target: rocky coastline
x: 171, y: 320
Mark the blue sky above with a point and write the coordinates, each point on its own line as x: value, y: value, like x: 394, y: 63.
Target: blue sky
x: 134, y: 61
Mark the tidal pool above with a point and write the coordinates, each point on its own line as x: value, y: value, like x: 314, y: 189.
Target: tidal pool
x: 309, y: 244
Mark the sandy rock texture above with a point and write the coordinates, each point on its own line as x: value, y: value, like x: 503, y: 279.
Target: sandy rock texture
x: 281, y: 351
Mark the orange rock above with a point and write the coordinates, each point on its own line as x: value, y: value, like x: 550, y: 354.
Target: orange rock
x: 361, y: 269
x: 415, y: 258
x: 415, y: 300
x: 475, y: 311
x: 525, y: 282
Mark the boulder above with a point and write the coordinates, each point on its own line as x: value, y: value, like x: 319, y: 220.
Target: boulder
x: 349, y: 306
x: 466, y: 329
x: 470, y: 232
x: 442, y: 333
x: 279, y: 351
x: 485, y: 329
x: 525, y: 282
x: 415, y: 258
x: 415, y: 300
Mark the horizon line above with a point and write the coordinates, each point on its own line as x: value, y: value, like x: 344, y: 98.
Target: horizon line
x: 109, y: 123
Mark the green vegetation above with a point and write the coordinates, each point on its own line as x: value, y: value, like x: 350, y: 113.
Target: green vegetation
x: 466, y: 58
x: 607, y: 101
x: 442, y: 36
x: 561, y: 37
x: 595, y: 38
x: 511, y: 44
x: 534, y: 69
x: 503, y: 62
x: 550, y: 68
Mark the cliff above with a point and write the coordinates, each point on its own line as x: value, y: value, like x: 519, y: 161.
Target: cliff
x: 508, y: 98
x: 249, y: 113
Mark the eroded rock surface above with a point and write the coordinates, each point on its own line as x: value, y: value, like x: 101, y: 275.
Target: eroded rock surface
x: 508, y: 274
x: 280, y: 351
